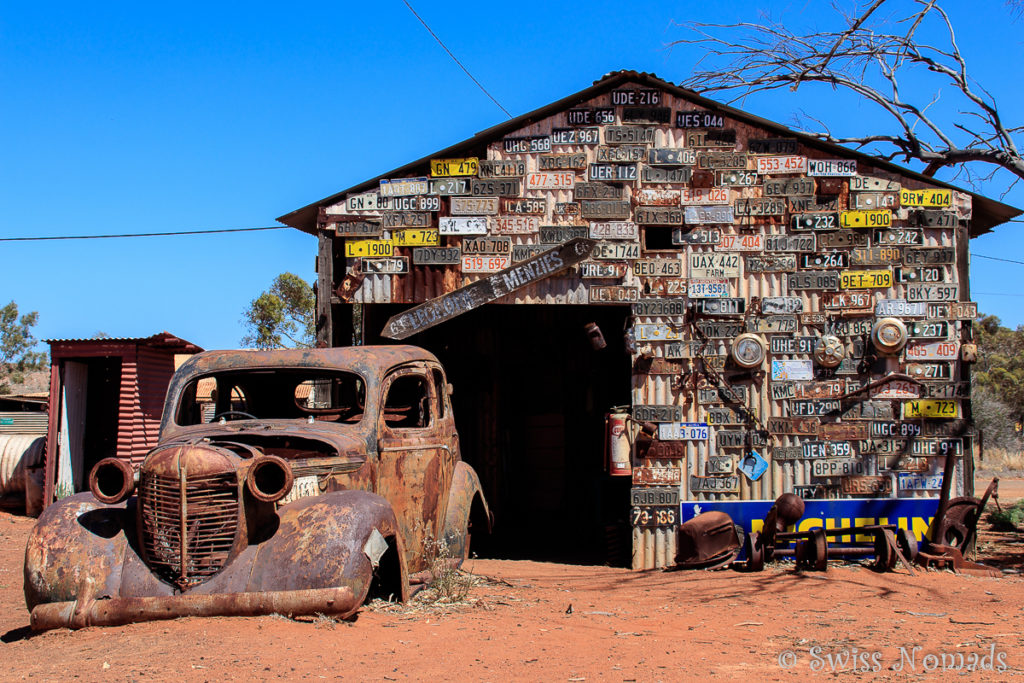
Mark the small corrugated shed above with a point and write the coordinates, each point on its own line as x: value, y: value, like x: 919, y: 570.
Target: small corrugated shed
x: 107, y: 396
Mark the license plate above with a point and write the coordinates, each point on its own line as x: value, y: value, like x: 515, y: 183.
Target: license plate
x: 799, y: 408
x: 404, y: 186
x: 747, y: 242
x: 795, y: 370
x: 930, y: 370
x: 826, y: 259
x: 844, y: 430
x: 690, y: 349
x: 781, y: 391
x: 719, y: 329
x: 485, y: 263
x: 398, y: 265
x: 658, y: 197
x: 722, y: 416
x: 654, y: 496
x: 841, y: 168
x: 846, y: 300
x: 771, y: 264
x: 561, y: 162
x: 937, y: 447
x: 671, y: 176
x: 865, y: 219
x: 866, y: 485
x: 872, y: 200
x: 658, y: 267
x: 791, y: 242
x: 711, y: 138
x: 663, y: 286
x: 838, y: 468
x: 760, y: 206
x: 356, y: 228
x: 624, y: 154
x: 591, y: 116
x: 929, y: 330
x: 729, y: 484
x: 657, y: 475
x: 786, y: 453
x: 928, y: 198
x: 827, y: 449
x: 869, y: 184
x: 566, y: 211
x: 704, y: 195
x: 699, y: 119
x: 799, y: 426
x: 658, y: 215
x: 577, y: 136
x: 896, y: 430
x: 522, y: 252
x: 921, y: 274
x: 653, y: 516
x: 367, y: 202
x: 791, y: 346
x: 422, y: 202
x: 612, y: 172
x: 616, y: 251
x: 828, y: 280
x: 682, y: 237
x: 660, y: 307
x: 450, y: 186
x: 704, y: 288
x: 663, y: 156
x: 772, y: 323
x: 657, y: 413
x: 831, y: 389
x: 816, y: 221
x: 369, y: 248
x: 724, y: 306
x: 404, y: 219
x: 629, y: 135
x: 558, y: 234
x: 898, y: 237
x: 454, y: 167
x: 666, y: 450
x: 933, y: 219
x: 463, y: 225
x: 302, y: 487
x: 598, y: 191
x: 788, y: 187
x: 614, y: 230
x: 731, y: 438
x: 736, y: 178
x: 851, y: 328
x: 842, y: 239
x: 613, y: 294
x: 876, y: 256
x: 427, y: 237
x: 593, y: 270
x: 610, y: 210
x: 925, y: 292
x: 939, y: 350
x: 719, y: 465
x: 714, y: 265
x: 487, y: 246
x: 436, y: 256
x: 919, y: 482
x: 899, y: 308
x: 813, y: 319
x: 498, y: 187
x: 816, y: 204
x: 657, y: 332
x: 897, y: 388
x: 781, y: 304
x: 683, y: 431
x: 931, y: 407
x: 501, y: 169
x: 929, y: 256
x: 474, y: 206
x: 527, y: 144
x: 865, y: 279
x: 953, y: 310
x: 723, y: 394
x: 516, y: 225
x: 772, y: 145
x: 784, y: 164
x: 702, y: 215
x: 945, y: 390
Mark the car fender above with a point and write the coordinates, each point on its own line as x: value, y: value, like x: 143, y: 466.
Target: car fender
x: 464, y: 491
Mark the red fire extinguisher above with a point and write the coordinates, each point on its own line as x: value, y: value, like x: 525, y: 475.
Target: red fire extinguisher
x: 618, y: 446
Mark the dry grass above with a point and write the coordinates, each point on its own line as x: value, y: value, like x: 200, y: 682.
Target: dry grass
x: 1000, y: 460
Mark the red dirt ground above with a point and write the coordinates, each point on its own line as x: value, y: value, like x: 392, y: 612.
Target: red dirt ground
x: 622, y: 626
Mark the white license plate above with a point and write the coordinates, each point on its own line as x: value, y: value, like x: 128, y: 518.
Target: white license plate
x: 303, y: 487
x: 490, y: 263
x: 707, y: 289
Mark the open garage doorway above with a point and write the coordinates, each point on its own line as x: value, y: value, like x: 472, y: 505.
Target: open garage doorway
x: 530, y: 399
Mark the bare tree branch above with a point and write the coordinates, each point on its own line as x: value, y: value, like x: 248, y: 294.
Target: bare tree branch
x: 870, y: 57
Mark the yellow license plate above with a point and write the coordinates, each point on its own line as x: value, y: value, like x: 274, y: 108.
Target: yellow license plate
x: 931, y: 407
x: 881, y: 218
x: 417, y: 237
x: 864, y: 279
x: 369, y: 248
x: 453, y: 167
x: 930, y: 198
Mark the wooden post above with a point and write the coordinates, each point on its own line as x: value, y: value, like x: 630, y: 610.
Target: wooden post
x: 324, y: 290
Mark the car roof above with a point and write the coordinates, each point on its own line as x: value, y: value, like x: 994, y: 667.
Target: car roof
x: 370, y: 361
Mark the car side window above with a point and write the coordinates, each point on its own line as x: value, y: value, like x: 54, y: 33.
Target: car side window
x: 407, y: 405
x: 441, y: 392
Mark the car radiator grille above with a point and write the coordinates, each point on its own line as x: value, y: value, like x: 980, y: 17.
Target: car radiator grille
x: 207, y: 518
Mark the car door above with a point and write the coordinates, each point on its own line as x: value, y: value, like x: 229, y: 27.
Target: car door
x: 415, y: 462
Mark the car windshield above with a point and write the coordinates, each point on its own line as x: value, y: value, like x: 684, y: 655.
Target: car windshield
x: 278, y: 394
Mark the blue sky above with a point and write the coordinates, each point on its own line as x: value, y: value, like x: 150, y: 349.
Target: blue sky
x: 132, y: 117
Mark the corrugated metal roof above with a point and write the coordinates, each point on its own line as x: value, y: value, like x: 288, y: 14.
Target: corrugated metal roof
x: 988, y: 213
x: 158, y: 340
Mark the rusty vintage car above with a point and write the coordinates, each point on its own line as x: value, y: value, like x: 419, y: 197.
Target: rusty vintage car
x: 293, y: 482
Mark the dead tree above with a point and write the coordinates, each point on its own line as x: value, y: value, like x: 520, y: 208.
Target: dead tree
x: 878, y: 47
